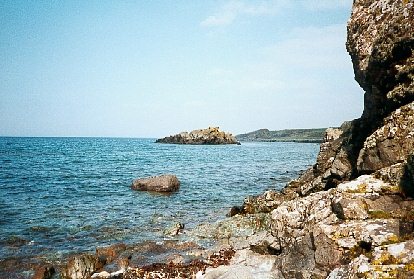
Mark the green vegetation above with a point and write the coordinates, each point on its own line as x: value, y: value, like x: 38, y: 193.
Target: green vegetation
x: 290, y: 135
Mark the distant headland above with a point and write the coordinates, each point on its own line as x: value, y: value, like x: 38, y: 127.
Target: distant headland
x: 289, y: 135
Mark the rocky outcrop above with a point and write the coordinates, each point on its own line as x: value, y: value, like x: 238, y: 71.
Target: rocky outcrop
x: 162, y: 183
x: 380, y: 42
x: 81, y: 266
x: 211, y: 135
x: 323, y: 234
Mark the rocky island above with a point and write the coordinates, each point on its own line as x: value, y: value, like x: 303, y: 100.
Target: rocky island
x: 351, y: 215
x: 211, y: 135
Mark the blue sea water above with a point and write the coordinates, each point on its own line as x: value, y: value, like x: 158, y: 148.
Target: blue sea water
x: 62, y: 195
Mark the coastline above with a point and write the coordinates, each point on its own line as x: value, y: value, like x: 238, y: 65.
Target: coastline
x: 350, y: 215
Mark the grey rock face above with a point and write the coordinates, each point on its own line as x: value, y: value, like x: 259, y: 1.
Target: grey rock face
x: 162, y: 183
x: 380, y: 42
x: 391, y: 143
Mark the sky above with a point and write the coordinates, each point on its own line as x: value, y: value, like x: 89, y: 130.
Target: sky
x: 155, y: 68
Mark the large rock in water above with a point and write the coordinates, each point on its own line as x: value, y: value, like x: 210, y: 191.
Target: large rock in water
x: 161, y: 183
x: 211, y: 135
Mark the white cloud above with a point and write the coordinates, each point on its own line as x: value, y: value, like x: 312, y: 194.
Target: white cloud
x: 321, y: 5
x: 233, y: 9
x: 303, y: 81
x: 312, y: 48
x: 297, y: 63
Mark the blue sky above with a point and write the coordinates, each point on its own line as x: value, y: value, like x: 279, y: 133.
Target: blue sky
x: 154, y: 68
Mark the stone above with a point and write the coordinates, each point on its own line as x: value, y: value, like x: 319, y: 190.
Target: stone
x: 106, y: 275
x: 110, y: 253
x: 44, y: 272
x: 244, y: 264
x: 407, y: 180
x: 333, y: 164
x: 332, y: 134
x: 368, y: 184
x: 174, y: 230
x: 238, y: 226
x: 161, y: 183
x: 381, y: 47
x: 265, y: 202
x: 298, y: 261
x: 175, y: 259
x: 81, y: 266
x: 101, y: 275
x: 392, y: 174
x: 211, y: 136
x: 391, y: 143
x: 349, y: 207
x: 327, y: 253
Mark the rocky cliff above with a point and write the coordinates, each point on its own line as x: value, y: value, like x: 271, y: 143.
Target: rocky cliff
x: 211, y: 135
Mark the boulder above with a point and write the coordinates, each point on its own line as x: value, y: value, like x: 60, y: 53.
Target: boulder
x: 110, y: 253
x: 44, y: 272
x: 161, y: 183
x: 81, y: 266
x: 211, y: 136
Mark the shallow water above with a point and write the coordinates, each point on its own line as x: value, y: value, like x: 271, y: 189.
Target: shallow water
x: 59, y: 195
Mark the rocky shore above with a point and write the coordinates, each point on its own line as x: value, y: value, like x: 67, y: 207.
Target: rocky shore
x: 349, y: 216
x: 211, y: 135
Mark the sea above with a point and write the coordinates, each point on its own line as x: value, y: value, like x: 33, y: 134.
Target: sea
x: 65, y: 195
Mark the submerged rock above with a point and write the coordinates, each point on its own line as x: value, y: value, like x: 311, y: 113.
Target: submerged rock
x: 161, y: 183
x: 211, y: 135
